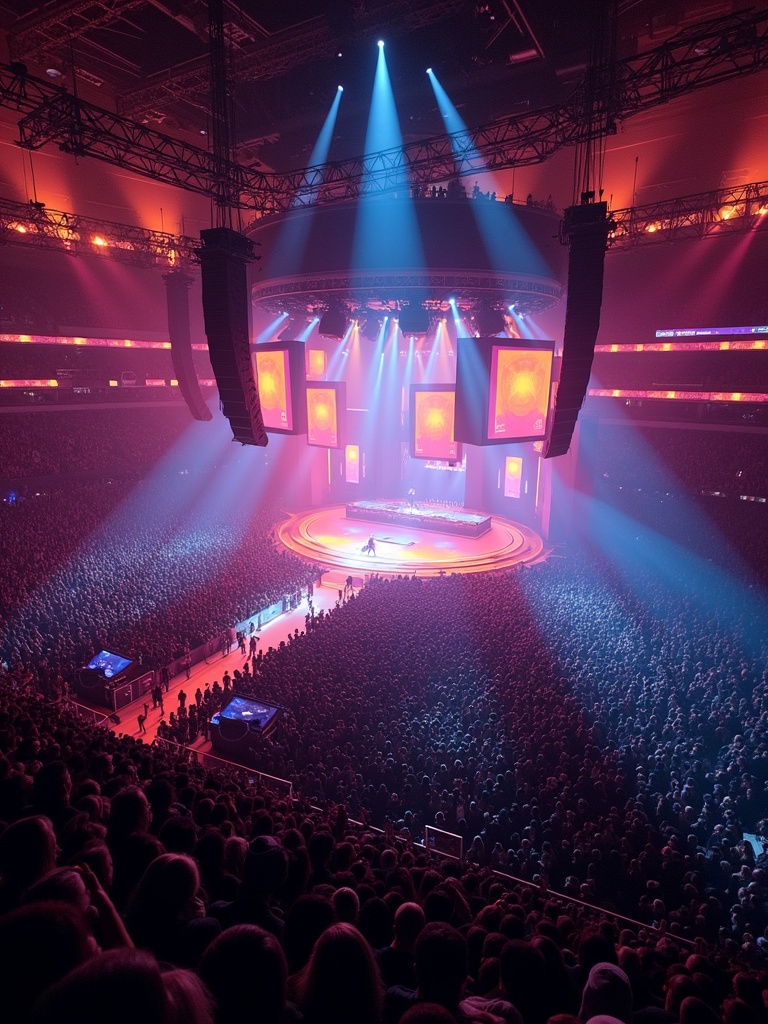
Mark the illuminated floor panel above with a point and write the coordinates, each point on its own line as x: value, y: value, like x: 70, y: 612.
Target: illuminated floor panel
x: 327, y: 537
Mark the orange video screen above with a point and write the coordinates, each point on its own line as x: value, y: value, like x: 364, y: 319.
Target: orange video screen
x: 518, y: 403
x: 323, y: 408
x: 317, y: 362
x: 352, y: 464
x: 433, y: 415
x: 513, y: 476
x: 274, y: 376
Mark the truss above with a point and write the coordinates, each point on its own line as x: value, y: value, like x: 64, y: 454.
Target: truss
x: 37, y: 34
x: 35, y: 225
x: 283, y: 52
x: 705, y: 215
x: 709, y: 54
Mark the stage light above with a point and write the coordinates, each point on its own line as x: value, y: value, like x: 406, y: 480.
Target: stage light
x: 381, y: 44
x: 333, y: 324
x: 489, y: 321
x: 369, y: 324
x: 414, y: 319
x: 511, y: 308
x: 340, y: 88
x: 99, y: 241
x: 429, y: 71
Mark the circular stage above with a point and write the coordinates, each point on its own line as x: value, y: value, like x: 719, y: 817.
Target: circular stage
x: 328, y: 537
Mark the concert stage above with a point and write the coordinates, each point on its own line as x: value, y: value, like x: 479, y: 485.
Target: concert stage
x: 422, y: 517
x: 331, y: 539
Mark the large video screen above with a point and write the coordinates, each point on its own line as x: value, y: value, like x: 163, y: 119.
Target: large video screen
x: 502, y: 390
x: 280, y: 373
x: 513, y: 476
x: 433, y: 411
x: 109, y: 664
x: 352, y: 464
x: 518, y: 403
x: 274, y: 374
x: 325, y: 415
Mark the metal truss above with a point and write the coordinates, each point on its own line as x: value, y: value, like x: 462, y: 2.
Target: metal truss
x: 703, y: 215
x: 723, y: 49
x: 25, y: 93
x: 283, y: 52
x: 707, y: 214
x: 86, y: 130
x: 357, y: 290
x: 708, y: 54
x: 66, y: 21
x: 35, y: 225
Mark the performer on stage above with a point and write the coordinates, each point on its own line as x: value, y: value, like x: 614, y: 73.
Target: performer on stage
x: 412, y: 498
x: 370, y: 547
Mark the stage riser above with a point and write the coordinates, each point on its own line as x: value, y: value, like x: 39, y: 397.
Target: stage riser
x: 460, y: 524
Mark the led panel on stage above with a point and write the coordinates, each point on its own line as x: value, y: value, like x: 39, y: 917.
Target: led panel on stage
x: 502, y: 390
x: 513, y: 475
x: 352, y: 464
x: 280, y: 374
x: 519, y: 393
x: 432, y: 421
x: 326, y: 413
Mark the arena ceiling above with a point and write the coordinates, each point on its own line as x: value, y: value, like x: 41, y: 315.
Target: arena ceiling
x: 148, y: 59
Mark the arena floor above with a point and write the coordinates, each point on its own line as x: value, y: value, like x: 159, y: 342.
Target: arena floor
x: 327, y: 537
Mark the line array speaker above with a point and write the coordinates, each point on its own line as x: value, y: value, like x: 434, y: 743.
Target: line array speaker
x: 177, y: 298
x: 586, y: 227
x: 224, y: 258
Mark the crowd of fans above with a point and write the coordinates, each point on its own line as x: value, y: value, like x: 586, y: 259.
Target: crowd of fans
x: 679, y: 460
x: 67, y: 442
x: 95, y: 567
x: 601, y: 738
x: 595, y: 727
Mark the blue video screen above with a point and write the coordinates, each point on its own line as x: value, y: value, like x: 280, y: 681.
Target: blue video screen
x: 109, y: 664
x: 243, y: 709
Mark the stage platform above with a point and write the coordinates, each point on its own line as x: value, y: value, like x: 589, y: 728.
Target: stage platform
x: 327, y: 537
x: 422, y: 517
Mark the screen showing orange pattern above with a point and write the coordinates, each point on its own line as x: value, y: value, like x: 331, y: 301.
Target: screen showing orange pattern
x: 274, y: 376
x: 317, y: 363
x: 519, y: 393
x: 322, y: 417
x: 434, y: 413
x: 352, y: 464
x: 513, y: 475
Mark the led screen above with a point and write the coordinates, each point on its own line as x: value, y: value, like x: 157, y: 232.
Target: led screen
x: 432, y: 418
x: 317, y: 362
x: 352, y: 464
x: 519, y: 393
x: 502, y: 390
x: 109, y: 664
x: 274, y: 375
x: 324, y: 408
x: 513, y: 475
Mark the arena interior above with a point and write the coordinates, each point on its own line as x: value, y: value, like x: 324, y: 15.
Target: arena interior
x: 384, y: 478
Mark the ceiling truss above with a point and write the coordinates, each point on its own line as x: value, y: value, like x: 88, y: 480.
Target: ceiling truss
x: 703, y: 215
x: 708, y: 54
